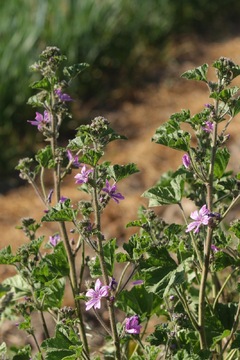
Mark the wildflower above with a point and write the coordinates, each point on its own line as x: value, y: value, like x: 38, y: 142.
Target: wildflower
x: 96, y: 295
x: 138, y: 282
x: 200, y: 217
x: 186, y: 161
x: 40, y: 120
x: 132, y: 325
x: 209, y: 106
x: 62, y: 97
x: 214, y: 248
x: 63, y: 199
x: 54, y: 240
x: 82, y: 178
x: 111, y: 191
x: 113, y: 284
x: 208, y: 126
x: 73, y: 159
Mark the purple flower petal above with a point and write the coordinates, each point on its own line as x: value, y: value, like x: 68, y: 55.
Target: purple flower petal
x: 200, y: 217
x: 96, y: 295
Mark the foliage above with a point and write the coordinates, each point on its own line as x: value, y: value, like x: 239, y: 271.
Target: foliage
x: 180, y: 275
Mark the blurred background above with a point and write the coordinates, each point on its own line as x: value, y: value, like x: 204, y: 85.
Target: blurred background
x: 128, y: 43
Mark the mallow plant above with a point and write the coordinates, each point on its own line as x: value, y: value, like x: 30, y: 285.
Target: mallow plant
x: 171, y: 291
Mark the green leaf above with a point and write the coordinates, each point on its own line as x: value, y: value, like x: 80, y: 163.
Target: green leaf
x: 226, y: 314
x: 52, y: 266
x: 42, y: 84
x: 170, y: 134
x: 157, y: 270
x: 159, y: 336
x: 236, y: 341
x: 3, y: 350
x: 219, y: 338
x: 139, y: 301
x: 7, y: 258
x: 38, y: 100
x: 177, y: 277
x: 62, y: 345
x: 18, y: 285
x: 109, y: 258
x: 235, y: 228
x: 45, y: 157
x: 183, y: 355
x: 51, y: 293
x: 74, y: 70
x: 234, y: 107
x: 63, y: 211
x: 119, y: 172
x: 221, y: 161
x: 198, y: 74
x: 222, y: 261
x: 225, y: 95
x: 165, y: 195
x: 91, y: 157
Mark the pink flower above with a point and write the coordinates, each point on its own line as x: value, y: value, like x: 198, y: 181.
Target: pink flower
x: 200, y: 217
x: 61, y: 96
x: 96, y: 295
x: 73, y: 159
x: 111, y: 191
x: 138, y: 282
x: 214, y: 248
x: 40, y: 120
x: 132, y: 325
x: 208, y: 126
x: 82, y: 178
x: 186, y: 161
x: 54, y: 240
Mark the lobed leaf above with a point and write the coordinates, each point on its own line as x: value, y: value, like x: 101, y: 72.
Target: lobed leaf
x: 198, y: 74
x: 170, y: 134
x: 165, y: 195
x: 119, y: 172
x: 221, y: 161
x: 74, y: 70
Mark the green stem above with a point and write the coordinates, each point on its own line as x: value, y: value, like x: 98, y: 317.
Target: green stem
x: 121, y: 278
x: 102, y: 323
x: 207, y: 247
x: 230, y: 206
x: 104, y: 269
x: 44, y: 324
x: 64, y: 235
x: 184, y: 302
x: 37, y: 345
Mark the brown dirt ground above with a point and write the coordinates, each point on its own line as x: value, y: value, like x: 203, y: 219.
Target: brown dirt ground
x: 138, y: 120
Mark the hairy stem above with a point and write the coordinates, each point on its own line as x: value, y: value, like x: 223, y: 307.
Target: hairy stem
x: 104, y: 269
x: 207, y: 246
x: 64, y: 235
